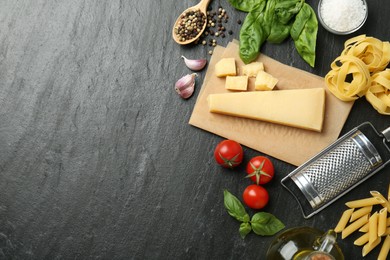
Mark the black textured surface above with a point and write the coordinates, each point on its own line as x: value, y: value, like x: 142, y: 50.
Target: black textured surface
x: 97, y: 160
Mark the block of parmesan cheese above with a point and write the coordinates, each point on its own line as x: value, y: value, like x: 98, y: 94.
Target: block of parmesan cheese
x: 226, y: 67
x: 265, y: 81
x: 252, y: 69
x: 236, y: 82
x: 302, y: 108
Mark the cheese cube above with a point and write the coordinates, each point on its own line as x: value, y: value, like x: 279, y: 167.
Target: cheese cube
x: 252, y: 69
x: 236, y: 82
x: 265, y: 81
x: 302, y: 108
x: 226, y: 67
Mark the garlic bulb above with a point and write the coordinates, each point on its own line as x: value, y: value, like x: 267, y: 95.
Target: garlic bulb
x: 185, y: 86
x: 195, y: 65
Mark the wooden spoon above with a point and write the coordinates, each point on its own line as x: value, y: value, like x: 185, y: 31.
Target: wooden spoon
x: 202, y: 6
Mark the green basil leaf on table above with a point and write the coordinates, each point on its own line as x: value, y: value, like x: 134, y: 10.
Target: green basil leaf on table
x: 245, y: 229
x: 269, y: 12
x: 234, y: 207
x: 281, y: 13
x: 305, y: 41
x: 244, y: 5
x: 287, y: 9
x: 253, y: 34
x: 276, y: 34
x: 300, y: 21
x: 279, y: 32
x: 266, y: 224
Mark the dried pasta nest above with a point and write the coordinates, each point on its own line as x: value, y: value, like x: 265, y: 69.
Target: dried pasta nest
x: 378, y: 94
x: 373, y: 52
x: 349, y: 78
x: 359, y: 71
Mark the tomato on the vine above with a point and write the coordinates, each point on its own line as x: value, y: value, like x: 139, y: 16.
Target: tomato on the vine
x: 260, y: 169
x: 228, y: 153
x: 255, y: 196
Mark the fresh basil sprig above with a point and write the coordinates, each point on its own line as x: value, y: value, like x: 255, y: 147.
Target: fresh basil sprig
x: 274, y: 21
x: 266, y: 224
x: 262, y: 223
x: 234, y: 207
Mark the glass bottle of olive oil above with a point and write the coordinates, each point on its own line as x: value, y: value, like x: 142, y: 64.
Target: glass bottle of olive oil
x: 303, y: 243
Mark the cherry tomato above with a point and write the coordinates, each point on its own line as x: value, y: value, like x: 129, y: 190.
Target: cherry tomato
x: 228, y: 153
x: 260, y: 169
x: 255, y: 196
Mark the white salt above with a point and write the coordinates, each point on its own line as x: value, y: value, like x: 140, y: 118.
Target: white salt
x: 343, y: 15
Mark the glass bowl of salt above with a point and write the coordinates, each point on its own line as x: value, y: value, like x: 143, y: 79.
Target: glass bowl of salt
x: 342, y: 17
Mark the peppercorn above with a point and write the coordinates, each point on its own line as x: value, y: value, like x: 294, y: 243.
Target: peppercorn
x: 190, y: 25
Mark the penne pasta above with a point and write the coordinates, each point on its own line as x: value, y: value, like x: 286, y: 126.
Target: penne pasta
x: 373, y: 228
x: 364, y: 228
x: 354, y: 226
x: 367, y: 248
x: 385, y: 203
x: 374, y: 223
x: 361, y: 240
x: 343, y: 220
x: 388, y: 192
x: 384, y: 249
x: 382, y: 221
x: 360, y: 212
x: 364, y: 202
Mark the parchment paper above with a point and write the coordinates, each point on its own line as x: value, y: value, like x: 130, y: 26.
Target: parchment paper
x: 290, y: 144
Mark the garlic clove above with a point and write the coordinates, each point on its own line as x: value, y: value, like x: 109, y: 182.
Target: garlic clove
x: 195, y: 65
x: 185, y: 86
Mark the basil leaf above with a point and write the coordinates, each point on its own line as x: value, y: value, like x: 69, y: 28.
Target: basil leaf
x: 243, y: 5
x: 234, y: 207
x: 282, y: 14
x: 287, y: 9
x: 245, y: 228
x: 300, y: 21
x: 266, y: 224
x: 279, y: 32
x: 305, y: 44
x: 253, y: 34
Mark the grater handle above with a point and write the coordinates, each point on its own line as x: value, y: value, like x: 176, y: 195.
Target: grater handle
x: 386, y: 134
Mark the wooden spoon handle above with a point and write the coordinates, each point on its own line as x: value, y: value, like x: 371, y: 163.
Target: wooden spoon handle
x: 203, y: 4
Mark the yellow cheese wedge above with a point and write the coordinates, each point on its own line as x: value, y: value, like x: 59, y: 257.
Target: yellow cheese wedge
x: 265, y: 81
x: 302, y: 108
x: 252, y: 69
x: 236, y: 82
x: 225, y: 67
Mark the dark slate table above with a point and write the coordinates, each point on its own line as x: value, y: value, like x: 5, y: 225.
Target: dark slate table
x: 97, y: 159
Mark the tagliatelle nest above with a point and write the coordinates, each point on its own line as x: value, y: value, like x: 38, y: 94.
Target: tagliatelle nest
x: 379, y: 92
x: 338, y: 82
x: 358, y: 72
x: 373, y: 52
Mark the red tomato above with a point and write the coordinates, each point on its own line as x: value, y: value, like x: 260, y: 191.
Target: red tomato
x: 260, y: 169
x: 255, y: 196
x: 228, y: 153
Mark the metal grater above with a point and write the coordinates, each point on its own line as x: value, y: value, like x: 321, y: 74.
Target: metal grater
x: 337, y: 169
